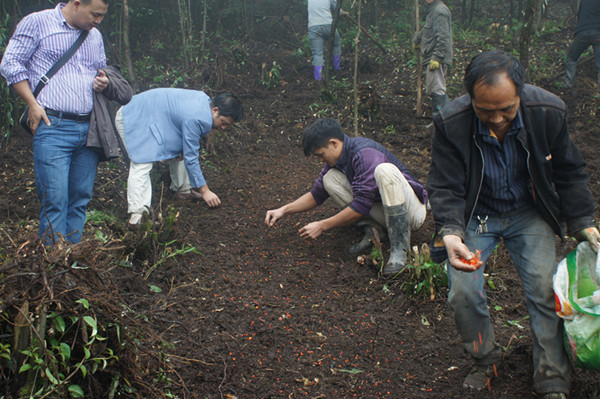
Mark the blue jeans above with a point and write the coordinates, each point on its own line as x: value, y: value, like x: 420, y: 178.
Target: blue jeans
x: 530, y: 242
x: 318, y: 35
x: 65, y: 170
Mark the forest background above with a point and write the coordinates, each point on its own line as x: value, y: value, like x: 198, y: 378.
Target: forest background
x: 209, y: 303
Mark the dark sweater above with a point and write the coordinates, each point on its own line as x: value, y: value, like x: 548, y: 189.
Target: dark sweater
x: 588, y: 16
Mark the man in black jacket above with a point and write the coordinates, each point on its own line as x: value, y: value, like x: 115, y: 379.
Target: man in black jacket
x: 587, y: 33
x: 503, y: 166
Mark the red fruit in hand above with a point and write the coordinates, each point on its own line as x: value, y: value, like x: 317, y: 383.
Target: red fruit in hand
x: 474, y: 260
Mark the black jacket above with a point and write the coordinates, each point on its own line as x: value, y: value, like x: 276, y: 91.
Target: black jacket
x: 558, y: 182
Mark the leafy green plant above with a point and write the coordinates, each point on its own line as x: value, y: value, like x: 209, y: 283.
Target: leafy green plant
x: 63, y: 351
x: 168, y: 253
x: 270, y: 77
x: 390, y: 129
x: 317, y: 110
x: 424, y: 275
x: 94, y: 216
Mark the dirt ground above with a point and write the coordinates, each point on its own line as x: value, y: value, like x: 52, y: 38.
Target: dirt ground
x: 261, y: 313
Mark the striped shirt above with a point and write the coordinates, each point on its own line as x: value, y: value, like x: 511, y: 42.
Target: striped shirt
x: 39, y: 41
x: 505, y: 176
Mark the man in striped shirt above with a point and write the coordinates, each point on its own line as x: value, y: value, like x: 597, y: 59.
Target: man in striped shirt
x: 65, y: 169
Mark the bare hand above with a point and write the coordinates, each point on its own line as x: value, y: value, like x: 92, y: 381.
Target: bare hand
x: 456, y: 250
x: 272, y: 216
x: 35, y: 116
x: 211, y: 199
x: 100, y: 81
x: 311, y: 230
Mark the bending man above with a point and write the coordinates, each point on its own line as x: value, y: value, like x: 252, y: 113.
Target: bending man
x: 168, y: 124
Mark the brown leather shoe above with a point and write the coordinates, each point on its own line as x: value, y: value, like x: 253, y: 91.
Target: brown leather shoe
x: 192, y: 195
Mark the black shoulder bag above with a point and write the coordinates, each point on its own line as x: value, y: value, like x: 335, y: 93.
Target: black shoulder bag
x: 44, y: 79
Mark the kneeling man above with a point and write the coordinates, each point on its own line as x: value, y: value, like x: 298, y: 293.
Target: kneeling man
x: 371, y: 185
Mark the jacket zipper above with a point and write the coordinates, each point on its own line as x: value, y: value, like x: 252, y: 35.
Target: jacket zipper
x: 480, y: 182
x: 540, y: 197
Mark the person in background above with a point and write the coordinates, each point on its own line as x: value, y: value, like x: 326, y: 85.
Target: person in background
x: 503, y: 167
x: 319, y: 29
x: 167, y: 124
x: 587, y: 33
x: 373, y: 188
x: 59, y: 118
x: 435, y: 42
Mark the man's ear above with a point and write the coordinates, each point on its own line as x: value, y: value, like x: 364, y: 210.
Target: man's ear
x: 215, y: 110
x: 334, y: 142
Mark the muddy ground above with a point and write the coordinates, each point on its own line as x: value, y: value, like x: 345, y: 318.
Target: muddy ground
x: 259, y: 312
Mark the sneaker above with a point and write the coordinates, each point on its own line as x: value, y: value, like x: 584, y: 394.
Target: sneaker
x: 554, y: 395
x: 188, y: 195
x: 480, y: 376
x: 135, y: 222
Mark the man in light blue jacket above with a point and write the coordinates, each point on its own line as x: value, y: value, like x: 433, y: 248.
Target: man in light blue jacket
x: 167, y: 125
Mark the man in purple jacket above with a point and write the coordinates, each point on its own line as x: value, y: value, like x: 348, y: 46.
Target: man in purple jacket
x: 65, y: 169
x: 368, y: 182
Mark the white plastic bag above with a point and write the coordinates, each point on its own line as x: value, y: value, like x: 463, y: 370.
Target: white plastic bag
x: 577, y: 292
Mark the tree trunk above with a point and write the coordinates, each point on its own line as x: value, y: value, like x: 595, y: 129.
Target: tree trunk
x: 355, y: 77
x: 472, y: 11
x: 185, y: 23
x: 373, y: 13
x: 204, y: 20
x: 538, y: 15
x: 328, y: 53
x: 419, y: 66
x: 530, y: 9
x: 127, y: 48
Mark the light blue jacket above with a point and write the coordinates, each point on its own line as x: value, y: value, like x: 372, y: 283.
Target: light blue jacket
x: 161, y: 124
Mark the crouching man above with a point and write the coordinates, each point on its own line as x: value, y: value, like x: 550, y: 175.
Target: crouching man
x: 371, y: 185
x: 168, y: 124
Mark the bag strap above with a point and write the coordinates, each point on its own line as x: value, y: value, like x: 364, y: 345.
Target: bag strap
x: 44, y: 79
x: 572, y: 270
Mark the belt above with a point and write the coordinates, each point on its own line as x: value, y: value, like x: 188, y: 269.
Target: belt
x: 69, y: 115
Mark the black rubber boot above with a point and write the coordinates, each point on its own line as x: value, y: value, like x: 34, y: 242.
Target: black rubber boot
x: 396, y: 218
x: 570, y: 69
x: 367, y: 241
x: 437, y: 102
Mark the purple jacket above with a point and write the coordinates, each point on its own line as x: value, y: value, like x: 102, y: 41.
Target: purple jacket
x: 360, y: 156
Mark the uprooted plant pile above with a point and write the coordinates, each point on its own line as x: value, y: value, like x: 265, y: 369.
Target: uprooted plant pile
x: 67, y: 325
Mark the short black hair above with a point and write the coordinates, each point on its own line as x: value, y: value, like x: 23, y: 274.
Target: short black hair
x: 486, y: 67
x: 228, y: 105
x: 318, y: 134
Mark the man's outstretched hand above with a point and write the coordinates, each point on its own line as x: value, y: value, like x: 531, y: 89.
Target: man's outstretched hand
x: 459, y: 256
x: 272, y: 216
